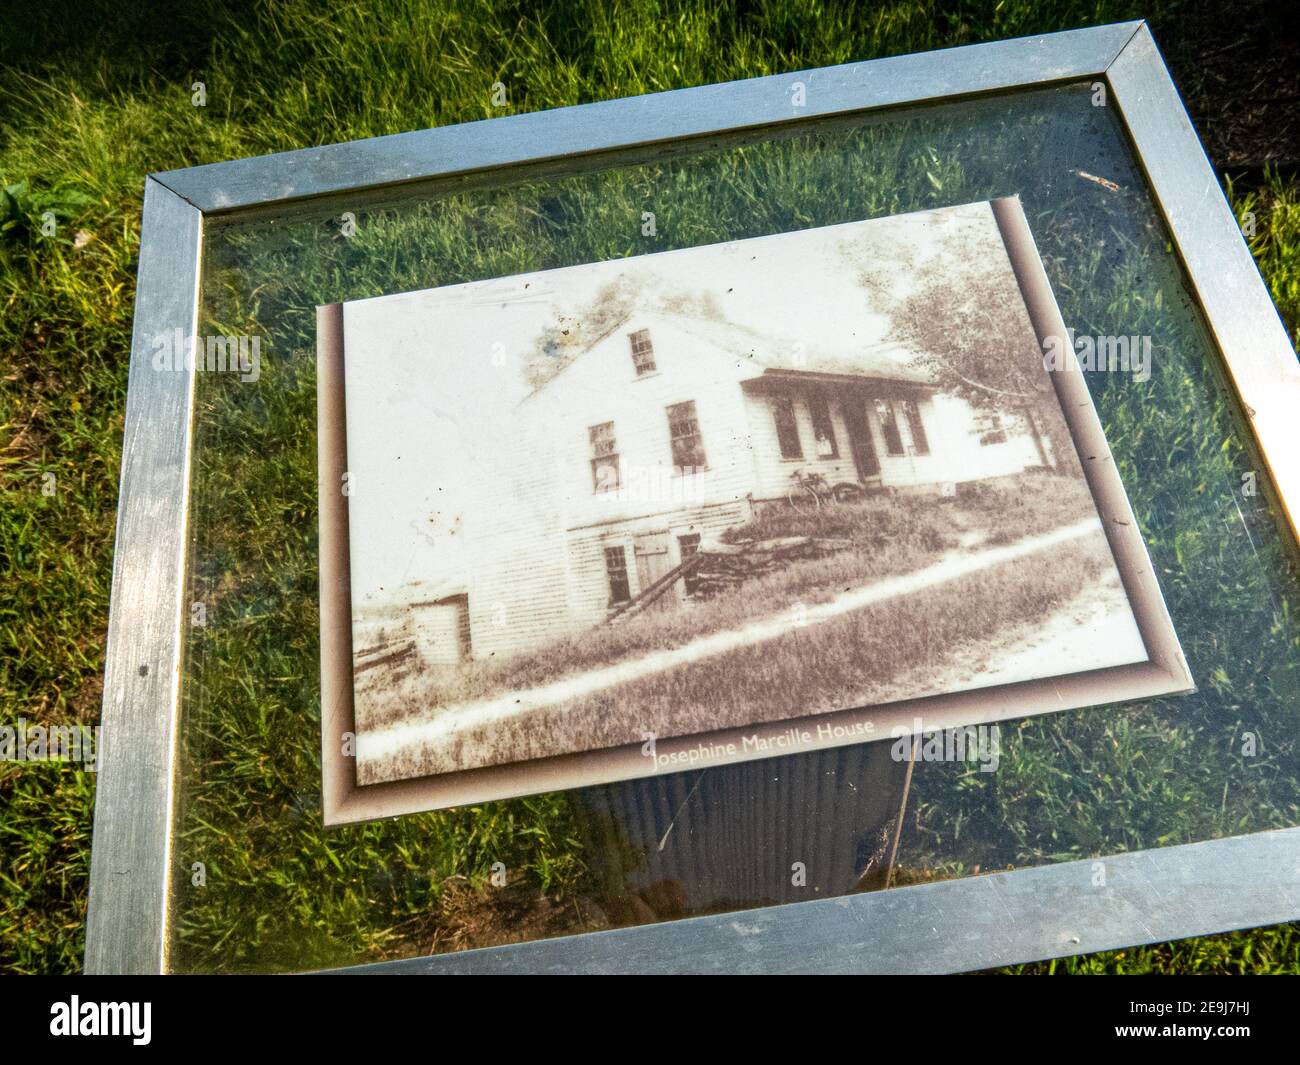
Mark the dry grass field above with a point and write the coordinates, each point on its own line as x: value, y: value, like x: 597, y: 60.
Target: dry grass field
x: 860, y: 657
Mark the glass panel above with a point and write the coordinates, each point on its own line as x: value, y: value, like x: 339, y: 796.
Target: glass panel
x: 282, y: 892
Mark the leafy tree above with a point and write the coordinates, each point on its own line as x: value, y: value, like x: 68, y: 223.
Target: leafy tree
x: 960, y: 313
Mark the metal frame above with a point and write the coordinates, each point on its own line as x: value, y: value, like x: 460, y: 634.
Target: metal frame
x: 974, y: 922
x: 953, y: 926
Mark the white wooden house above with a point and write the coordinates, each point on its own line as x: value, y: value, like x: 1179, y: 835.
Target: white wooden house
x: 669, y: 429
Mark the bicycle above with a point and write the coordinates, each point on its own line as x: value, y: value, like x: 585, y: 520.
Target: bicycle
x: 812, y: 488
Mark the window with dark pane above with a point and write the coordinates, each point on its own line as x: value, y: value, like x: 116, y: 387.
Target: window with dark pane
x: 604, y: 457
x: 990, y: 428
x: 616, y: 571
x: 689, y: 546
x: 912, y: 412
x: 823, y: 428
x: 889, y: 427
x: 787, y: 429
x: 684, y: 432
x: 643, y: 352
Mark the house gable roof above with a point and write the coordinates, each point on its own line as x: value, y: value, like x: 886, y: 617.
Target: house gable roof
x: 781, y: 354
x: 755, y: 354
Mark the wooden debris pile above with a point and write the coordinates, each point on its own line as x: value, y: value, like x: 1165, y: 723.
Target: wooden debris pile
x: 724, y: 566
x: 396, y: 653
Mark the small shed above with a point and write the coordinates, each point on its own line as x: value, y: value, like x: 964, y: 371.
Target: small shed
x: 441, y: 630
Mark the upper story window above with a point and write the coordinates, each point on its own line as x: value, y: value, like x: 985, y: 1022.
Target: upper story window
x: 990, y: 428
x: 912, y: 412
x: 643, y: 352
x: 823, y: 428
x: 604, y: 457
x: 684, y: 432
x: 787, y: 428
x: 889, y: 427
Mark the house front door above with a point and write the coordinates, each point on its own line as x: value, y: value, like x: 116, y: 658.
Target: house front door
x: 652, y: 561
x: 864, y: 448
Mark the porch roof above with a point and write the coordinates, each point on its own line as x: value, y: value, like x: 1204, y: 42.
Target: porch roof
x: 783, y: 356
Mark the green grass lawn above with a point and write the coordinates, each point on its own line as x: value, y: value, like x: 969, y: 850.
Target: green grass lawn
x: 95, y: 95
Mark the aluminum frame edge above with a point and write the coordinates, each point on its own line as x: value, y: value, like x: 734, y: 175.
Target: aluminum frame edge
x: 127, y: 912
x: 637, y: 121
x: 1234, y: 300
x: 949, y: 926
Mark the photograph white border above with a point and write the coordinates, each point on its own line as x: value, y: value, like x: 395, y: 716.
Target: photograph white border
x: 1166, y: 672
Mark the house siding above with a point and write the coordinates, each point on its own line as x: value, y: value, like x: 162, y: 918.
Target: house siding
x: 911, y: 469
x: 972, y: 461
x: 441, y: 631
x: 772, y: 472
x: 537, y: 562
x: 955, y: 453
x: 590, y: 602
x: 537, y: 529
x: 602, y: 387
x: 514, y: 545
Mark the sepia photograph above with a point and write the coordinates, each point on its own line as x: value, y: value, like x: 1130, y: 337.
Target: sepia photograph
x: 717, y: 503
